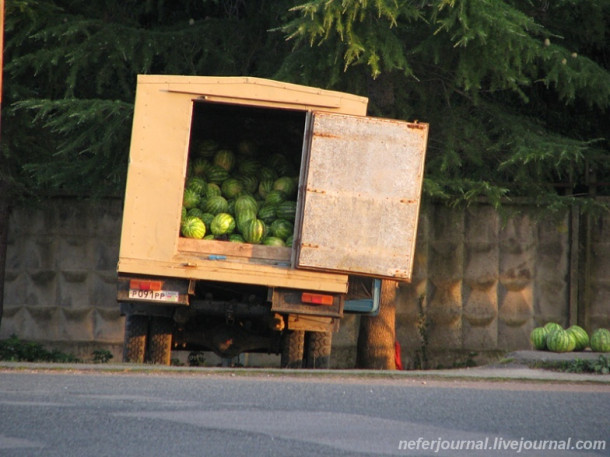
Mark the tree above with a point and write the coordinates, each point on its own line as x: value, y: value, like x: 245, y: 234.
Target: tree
x: 377, y: 334
x: 517, y: 92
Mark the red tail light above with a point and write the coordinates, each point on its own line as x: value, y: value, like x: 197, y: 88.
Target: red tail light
x: 317, y: 299
x: 145, y: 284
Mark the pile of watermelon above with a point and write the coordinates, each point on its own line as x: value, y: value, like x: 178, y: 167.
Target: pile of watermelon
x: 239, y: 194
x: 553, y: 337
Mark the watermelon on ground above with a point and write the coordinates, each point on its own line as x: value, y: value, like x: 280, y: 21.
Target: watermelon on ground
x: 560, y: 340
x: 550, y: 326
x: 600, y: 340
x: 538, y: 338
x: 580, y: 335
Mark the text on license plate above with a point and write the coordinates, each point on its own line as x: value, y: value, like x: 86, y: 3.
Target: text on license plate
x: 155, y: 295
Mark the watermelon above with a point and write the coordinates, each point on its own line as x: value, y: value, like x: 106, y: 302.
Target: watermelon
x: 236, y: 238
x: 538, y: 338
x: 550, y: 326
x: 222, y: 224
x: 231, y: 207
x: 184, y: 213
x: 264, y: 187
x: 273, y: 241
x: 600, y: 340
x: 267, y: 213
x: 211, y: 190
x: 280, y: 163
x: 195, y: 212
x: 289, y: 241
x: 224, y: 159
x: 245, y: 203
x: 207, y: 148
x: 249, y: 182
x: 200, y: 166
x: 215, y: 205
x: 216, y: 174
x: 246, y: 147
x: 560, y: 340
x: 231, y: 187
x: 581, y: 337
x: 281, y: 228
x: 209, y: 237
x: 254, y: 231
x: 190, y: 198
x: 275, y: 197
x: 267, y: 173
x: 193, y: 227
x: 207, y: 219
x: 287, y: 185
x: 196, y: 183
x: 248, y: 167
x: 287, y: 210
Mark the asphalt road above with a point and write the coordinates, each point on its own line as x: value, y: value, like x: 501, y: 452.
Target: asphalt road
x: 209, y: 414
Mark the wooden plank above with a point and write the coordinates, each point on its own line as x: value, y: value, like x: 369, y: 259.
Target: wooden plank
x: 246, y: 251
x: 311, y: 323
x: 192, y: 267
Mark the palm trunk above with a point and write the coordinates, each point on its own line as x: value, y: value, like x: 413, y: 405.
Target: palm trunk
x: 377, y: 336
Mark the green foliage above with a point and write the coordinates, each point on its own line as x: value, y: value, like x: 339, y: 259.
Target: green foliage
x: 102, y: 356
x: 599, y: 366
x: 70, y: 78
x: 517, y: 92
x: 15, y: 350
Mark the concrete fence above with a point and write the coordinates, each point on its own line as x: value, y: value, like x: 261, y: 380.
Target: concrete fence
x: 481, y: 281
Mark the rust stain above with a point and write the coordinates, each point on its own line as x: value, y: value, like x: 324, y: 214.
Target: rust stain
x: 416, y: 126
x: 316, y: 191
x: 310, y: 245
x: 325, y: 135
x: 407, y: 200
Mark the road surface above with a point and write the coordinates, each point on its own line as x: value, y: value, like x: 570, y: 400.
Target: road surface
x: 61, y: 414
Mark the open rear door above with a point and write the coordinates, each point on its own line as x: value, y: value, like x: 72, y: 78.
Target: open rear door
x: 360, y: 196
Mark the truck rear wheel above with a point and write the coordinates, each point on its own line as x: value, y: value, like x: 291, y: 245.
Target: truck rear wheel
x: 293, y: 344
x: 317, y: 349
x: 160, y: 340
x: 136, y: 332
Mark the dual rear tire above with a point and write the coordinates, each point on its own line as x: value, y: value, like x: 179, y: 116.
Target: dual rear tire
x: 302, y: 349
x: 148, y: 339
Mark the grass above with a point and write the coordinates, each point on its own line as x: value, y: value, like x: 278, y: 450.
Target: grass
x: 14, y: 349
x: 601, y: 365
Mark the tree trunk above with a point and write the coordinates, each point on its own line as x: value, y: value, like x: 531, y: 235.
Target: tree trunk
x: 4, y: 216
x: 377, y: 336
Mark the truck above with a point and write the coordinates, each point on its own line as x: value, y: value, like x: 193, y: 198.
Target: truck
x: 346, y: 187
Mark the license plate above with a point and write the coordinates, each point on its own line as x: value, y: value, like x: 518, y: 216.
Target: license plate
x: 154, y: 295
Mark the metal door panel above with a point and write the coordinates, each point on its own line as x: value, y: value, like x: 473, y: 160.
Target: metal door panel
x: 360, y: 200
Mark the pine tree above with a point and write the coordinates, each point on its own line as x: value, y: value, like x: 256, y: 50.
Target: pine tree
x: 516, y: 92
x: 71, y: 70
